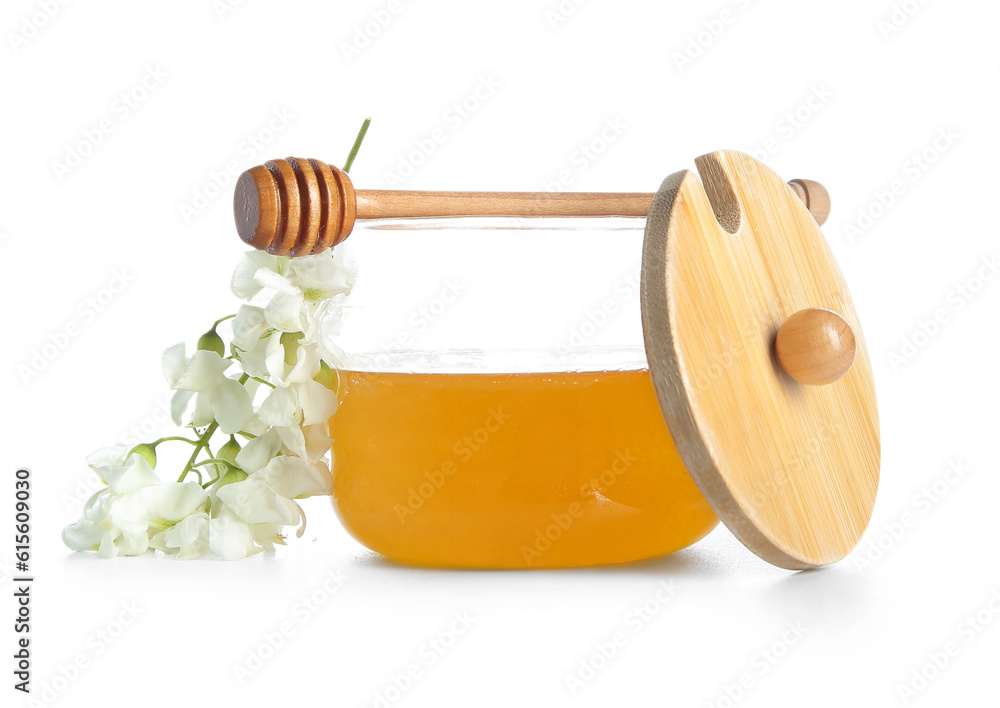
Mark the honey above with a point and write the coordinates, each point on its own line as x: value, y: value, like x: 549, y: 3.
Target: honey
x: 515, y: 470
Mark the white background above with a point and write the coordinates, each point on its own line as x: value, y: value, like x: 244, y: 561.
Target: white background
x: 889, y: 91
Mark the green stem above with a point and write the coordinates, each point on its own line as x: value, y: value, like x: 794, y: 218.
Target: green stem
x: 259, y: 380
x: 357, y: 144
x: 174, y: 437
x: 202, y: 443
x: 218, y: 460
x: 198, y: 447
x: 222, y: 319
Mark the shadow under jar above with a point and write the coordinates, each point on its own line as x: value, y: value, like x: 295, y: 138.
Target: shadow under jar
x: 495, y: 404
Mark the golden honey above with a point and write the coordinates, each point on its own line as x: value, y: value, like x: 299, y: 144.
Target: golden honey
x: 518, y: 470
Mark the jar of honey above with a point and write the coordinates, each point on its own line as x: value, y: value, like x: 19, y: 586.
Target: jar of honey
x: 496, y: 409
x: 533, y: 380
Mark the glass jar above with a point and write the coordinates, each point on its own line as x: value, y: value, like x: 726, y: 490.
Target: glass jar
x: 495, y: 405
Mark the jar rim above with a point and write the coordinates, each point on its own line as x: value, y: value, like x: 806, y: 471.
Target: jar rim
x: 498, y: 361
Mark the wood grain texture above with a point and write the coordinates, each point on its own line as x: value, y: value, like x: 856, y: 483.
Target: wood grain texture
x: 311, y: 206
x: 294, y: 206
x: 376, y: 204
x: 291, y: 217
x: 792, y: 470
x: 815, y: 346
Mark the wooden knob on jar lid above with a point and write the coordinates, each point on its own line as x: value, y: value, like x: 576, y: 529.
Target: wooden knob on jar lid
x: 815, y: 346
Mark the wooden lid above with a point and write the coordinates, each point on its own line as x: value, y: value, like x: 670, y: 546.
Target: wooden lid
x: 791, y: 468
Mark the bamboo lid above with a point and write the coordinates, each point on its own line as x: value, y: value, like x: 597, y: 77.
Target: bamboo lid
x: 758, y: 361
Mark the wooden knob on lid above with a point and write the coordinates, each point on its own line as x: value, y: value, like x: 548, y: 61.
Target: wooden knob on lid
x: 815, y: 346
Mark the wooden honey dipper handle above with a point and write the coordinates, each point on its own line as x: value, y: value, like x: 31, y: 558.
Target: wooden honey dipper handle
x: 382, y: 203
x: 296, y: 206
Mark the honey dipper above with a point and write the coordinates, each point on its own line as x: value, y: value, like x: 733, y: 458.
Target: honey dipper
x: 297, y: 206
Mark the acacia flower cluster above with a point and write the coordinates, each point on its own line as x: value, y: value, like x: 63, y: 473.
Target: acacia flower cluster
x: 269, y: 394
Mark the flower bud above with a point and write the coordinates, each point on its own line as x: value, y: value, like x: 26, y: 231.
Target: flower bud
x: 146, y: 452
x: 327, y: 376
x: 212, y: 342
x: 229, y: 451
x: 233, y: 475
x: 290, y: 341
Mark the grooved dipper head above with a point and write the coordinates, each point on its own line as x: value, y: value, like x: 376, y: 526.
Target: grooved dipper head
x: 294, y: 206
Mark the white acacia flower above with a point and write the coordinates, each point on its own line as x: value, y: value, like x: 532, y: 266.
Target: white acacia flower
x: 320, y: 276
x: 307, y: 403
x: 310, y: 442
x: 289, y: 362
x: 218, y: 397
x: 249, y: 514
x: 243, y: 284
x: 294, y: 478
x: 96, y: 531
x: 88, y: 533
x: 119, y: 519
x: 107, y: 460
x: 251, y: 335
x: 168, y: 503
x: 256, y: 502
x: 230, y: 537
x: 158, y: 505
x: 188, y: 538
x: 293, y: 287
x: 256, y: 453
x: 267, y: 536
x: 275, y: 342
